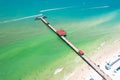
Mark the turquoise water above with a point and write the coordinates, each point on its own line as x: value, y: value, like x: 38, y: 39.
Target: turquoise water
x: 16, y: 8
x: 28, y: 47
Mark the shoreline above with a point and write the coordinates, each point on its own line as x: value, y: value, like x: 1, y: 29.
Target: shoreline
x: 103, y: 54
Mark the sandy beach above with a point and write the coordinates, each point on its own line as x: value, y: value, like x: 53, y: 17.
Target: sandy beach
x: 104, y: 53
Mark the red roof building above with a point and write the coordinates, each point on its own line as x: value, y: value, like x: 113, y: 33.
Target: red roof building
x: 81, y: 52
x: 61, y: 32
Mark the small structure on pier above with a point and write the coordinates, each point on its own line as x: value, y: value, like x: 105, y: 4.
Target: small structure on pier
x: 81, y: 52
x: 61, y: 32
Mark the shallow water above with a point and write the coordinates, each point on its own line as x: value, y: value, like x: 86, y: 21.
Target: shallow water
x: 27, y: 46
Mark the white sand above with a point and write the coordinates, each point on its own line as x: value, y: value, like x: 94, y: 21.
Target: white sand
x: 105, y: 52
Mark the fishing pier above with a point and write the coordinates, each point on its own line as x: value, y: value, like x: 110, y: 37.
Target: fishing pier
x: 62, y: 34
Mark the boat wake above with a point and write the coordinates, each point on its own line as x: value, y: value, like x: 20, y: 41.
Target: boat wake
x: 18, y: 19
x: 61, y: 8
x: 99, y: 7
x: 54, y: 9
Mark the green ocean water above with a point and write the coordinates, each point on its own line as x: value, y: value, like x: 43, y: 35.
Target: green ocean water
x: 30, y: 51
